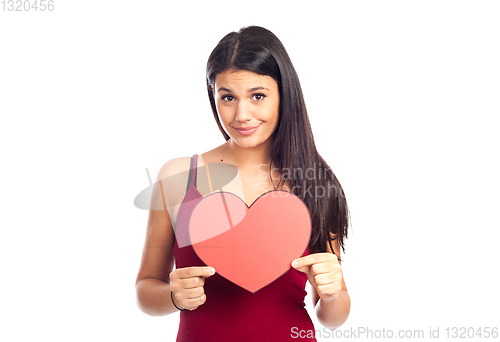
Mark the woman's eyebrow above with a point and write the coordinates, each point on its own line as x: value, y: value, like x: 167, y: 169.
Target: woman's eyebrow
x: 257, y: 88
x: 249, y: 90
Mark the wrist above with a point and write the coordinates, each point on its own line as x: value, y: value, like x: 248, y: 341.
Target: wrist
x: 177, y: 305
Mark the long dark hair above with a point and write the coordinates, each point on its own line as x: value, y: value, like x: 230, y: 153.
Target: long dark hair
x: 293, y: 151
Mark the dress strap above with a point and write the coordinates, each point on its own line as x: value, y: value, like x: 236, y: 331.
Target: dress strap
x: 208, y: 176
x: 195, y: 169
x: 192, y: 172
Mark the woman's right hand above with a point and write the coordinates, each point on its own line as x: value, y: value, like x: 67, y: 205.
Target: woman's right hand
x: 187, y: 286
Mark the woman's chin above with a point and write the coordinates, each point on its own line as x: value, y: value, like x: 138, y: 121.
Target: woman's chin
x: 247, y: 143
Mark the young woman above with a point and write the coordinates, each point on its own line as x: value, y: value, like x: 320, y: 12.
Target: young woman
x: 258, y: 105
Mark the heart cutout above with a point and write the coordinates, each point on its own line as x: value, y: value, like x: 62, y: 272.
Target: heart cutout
x: 250, y: 246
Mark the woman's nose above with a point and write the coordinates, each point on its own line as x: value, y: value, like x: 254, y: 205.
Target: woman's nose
x: 243, y: 112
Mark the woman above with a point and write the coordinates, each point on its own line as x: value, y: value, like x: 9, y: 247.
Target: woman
x: 258, y: 105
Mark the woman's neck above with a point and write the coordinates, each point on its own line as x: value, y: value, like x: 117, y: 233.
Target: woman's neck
x: 247, y: 158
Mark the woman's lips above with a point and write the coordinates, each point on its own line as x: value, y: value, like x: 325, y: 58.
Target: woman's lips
x: 246, y: 130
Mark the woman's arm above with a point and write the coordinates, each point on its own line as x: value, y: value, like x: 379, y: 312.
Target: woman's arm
x: 153, y: 280
x: 157, y: 285
x: 152, y: 284
x: 334, y: 312
x: 329, y: 292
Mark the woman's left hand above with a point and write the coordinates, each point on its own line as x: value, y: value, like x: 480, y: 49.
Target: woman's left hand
x: 323, y: 272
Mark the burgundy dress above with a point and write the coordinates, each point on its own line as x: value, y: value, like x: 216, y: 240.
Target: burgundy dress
x: 274, y: 313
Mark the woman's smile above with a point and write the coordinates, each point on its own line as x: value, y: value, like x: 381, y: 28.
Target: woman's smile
x: 246, y: 130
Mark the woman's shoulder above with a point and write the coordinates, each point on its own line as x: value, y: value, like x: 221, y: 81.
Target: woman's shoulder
x: 174, y: 167
x: 181, y: 165
x: 172, y: 178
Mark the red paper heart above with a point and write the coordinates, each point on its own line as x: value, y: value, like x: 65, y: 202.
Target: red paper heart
x: 250, y: 246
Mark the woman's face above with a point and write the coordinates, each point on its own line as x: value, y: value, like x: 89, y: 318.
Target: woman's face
x: 248, y: 106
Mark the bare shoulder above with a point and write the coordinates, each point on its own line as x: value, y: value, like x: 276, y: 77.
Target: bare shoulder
x: 181, y: 165
x: 173, y: 167
x: 172, y: 178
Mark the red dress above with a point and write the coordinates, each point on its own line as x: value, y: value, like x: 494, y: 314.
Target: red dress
x: 274, y: 313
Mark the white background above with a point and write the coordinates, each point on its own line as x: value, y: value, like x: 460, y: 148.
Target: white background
x: 403, y: 97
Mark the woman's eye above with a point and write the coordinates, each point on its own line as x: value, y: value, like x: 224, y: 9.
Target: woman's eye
x: 259, y: 96
x: 227, y: 98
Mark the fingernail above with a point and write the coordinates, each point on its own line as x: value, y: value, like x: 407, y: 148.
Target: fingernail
x: 211, y: 271
x: 295, y: 263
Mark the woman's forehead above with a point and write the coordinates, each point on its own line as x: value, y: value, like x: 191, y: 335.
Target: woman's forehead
x: 243, y: 78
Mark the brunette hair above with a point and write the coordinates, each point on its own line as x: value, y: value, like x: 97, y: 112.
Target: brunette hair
x: 258, y: 50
